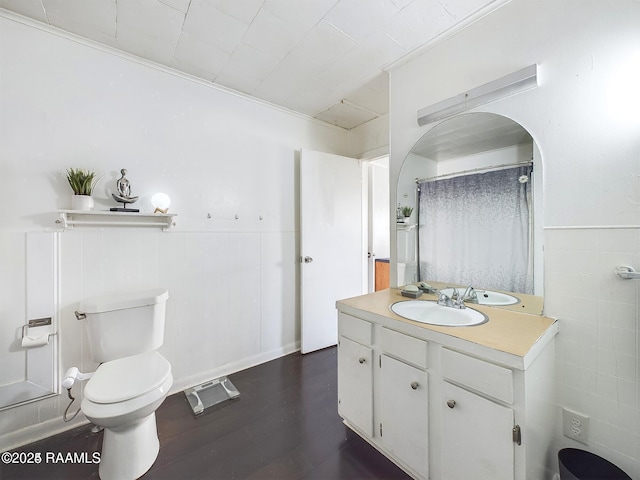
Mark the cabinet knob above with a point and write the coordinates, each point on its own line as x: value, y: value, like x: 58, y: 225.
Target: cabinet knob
x: 361, y: 360
x: 414, y: 385
x: 451, y: 403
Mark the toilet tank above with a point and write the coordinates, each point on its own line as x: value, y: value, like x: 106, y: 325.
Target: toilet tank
x: 124, y: 324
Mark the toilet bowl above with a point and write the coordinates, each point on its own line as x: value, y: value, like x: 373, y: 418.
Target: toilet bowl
x: 124, y: 331
x: 122, y: 396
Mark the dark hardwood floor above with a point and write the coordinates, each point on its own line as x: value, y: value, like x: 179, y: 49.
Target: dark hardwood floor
x: 284, y: 425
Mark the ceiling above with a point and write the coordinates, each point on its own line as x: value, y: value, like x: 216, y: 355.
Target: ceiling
x: 470, y: 134
x: 322, y: 58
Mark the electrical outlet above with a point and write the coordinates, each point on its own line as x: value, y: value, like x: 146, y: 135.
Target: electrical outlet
x: 575, y: 425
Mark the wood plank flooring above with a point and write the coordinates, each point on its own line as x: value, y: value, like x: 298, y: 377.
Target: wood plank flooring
x: 285, y: 425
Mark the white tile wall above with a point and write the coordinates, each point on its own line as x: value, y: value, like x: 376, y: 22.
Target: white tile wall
x: 218, y: 315
x: 598, y: 347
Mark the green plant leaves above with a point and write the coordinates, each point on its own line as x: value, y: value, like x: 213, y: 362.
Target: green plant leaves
x: 81, y: 181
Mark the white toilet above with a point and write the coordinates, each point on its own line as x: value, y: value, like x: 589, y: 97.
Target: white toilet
x: 132, y: 380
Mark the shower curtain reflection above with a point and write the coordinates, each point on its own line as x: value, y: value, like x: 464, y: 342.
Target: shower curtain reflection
x: 476, y: 230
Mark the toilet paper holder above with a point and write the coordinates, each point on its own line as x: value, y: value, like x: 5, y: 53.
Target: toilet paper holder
x: 27, y: 340
x: 38, y: 322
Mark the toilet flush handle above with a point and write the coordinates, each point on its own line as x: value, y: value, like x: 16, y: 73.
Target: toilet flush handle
x: 80, y: 315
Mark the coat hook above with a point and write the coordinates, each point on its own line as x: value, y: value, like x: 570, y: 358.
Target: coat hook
x: 208, y: 215
x: 260, y: 217
x: 237, y: 216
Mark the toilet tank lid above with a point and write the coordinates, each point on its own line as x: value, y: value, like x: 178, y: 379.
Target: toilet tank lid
x: 108, y: 303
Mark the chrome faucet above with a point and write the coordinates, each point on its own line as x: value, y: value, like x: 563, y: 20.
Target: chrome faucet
x: 456, y: 300
x: 470, y: 295
x: 445, y: 300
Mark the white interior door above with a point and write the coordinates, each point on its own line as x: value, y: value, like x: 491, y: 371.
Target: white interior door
x: 378, y: 215
x: 332, y: 246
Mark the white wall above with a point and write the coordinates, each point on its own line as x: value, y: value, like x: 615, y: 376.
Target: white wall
x: 370, y: 140
x: 584, y: 118
x: 232, y: 283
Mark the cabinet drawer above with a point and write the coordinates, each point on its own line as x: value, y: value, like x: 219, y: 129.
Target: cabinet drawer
x: 355, y: 328
x: 478, y: 375
x: 404, y: 347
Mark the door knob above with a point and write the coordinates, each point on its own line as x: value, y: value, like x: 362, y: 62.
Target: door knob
x: 451, y: 403
x: 414, y: 385
x: 308, y: 259
x: 361, y: 360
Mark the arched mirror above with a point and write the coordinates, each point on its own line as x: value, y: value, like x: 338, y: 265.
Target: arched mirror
x: 469, y: 213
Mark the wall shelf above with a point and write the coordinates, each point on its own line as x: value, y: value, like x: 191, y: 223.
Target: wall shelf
x: 78, y: 218
x: 405, y: 226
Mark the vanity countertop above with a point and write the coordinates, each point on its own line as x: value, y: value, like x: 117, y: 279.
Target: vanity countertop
x: 519, y: 335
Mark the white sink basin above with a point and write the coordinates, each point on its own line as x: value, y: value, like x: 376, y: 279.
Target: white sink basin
x: 426, y: 311
x: 487, y: 297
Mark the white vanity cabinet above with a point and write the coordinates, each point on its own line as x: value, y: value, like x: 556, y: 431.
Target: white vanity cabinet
x: 383, y: 390
x: 478, y: 422
x: 477, y: 418
x: 446, y: 403
x: 476, y: 437
x: 403, y: 420
x: 403, y: 392
x: 355, y: 384
x: 355, y: 373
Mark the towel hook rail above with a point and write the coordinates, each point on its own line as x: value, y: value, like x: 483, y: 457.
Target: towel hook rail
x: 627, y: 272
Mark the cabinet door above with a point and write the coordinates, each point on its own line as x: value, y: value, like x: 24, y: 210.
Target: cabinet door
x: 477, y: 439
x: 404, y: 413
x: 355, y: 384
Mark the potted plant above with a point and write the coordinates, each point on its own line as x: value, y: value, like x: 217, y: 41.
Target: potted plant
x: 82, y: 182
x: 406, y: 212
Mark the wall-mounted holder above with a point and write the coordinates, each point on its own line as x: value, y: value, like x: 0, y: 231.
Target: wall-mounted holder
x: 75, y: 218
x: 33, y: 336
x: 627, y: 272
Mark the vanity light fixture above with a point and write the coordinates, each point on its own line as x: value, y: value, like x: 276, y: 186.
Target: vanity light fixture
x: 513, y: 83
x: 160, y: 202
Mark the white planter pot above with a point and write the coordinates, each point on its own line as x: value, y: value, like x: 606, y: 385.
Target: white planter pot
x: 82, y: 202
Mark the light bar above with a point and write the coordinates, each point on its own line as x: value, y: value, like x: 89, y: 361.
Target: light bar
x: 515, y: 82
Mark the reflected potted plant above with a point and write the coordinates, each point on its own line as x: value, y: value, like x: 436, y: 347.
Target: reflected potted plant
x: 82, y: 182
x: 406, y: 213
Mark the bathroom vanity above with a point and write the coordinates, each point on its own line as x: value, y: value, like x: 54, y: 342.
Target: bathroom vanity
x: 449, y: 402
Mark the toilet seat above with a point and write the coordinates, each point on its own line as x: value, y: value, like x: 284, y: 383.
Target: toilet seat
x: 127, y: 378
